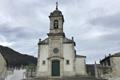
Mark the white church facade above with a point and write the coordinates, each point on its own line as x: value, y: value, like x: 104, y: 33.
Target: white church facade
x: 56, y: 54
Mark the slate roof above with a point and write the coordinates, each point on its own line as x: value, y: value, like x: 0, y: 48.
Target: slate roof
x: 108, y: 57
x: 56, y: 13
x: 80, y: 56
x: 116, y: 54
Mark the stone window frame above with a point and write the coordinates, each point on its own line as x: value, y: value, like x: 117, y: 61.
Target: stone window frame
x: 67, y: 62
x: 43, y: 62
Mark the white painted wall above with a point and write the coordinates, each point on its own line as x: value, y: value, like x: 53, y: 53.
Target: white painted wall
x: 76, y: 66
x: 42, y: 70
x: 115, y: 73
x: 115, y: 62
x: 68, y: 53
x: 80, y: 67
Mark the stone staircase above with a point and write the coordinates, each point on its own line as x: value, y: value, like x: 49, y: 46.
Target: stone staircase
x: 68, y: 78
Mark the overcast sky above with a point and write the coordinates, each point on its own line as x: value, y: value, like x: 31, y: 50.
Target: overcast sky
x: 95, y: 25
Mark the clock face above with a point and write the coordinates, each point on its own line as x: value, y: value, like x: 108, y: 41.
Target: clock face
x: 55, y: 50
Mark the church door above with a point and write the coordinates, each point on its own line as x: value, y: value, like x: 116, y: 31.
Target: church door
x: 55, y: 68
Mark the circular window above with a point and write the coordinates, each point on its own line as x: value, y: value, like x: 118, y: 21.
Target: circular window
x: 55, y: 50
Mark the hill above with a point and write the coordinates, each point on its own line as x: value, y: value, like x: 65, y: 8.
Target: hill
x: 16, y: 59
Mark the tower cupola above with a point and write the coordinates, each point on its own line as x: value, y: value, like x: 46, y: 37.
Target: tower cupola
x: 56, y: 12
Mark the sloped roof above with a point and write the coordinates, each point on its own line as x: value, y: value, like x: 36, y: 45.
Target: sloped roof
x: 66, y: 40
x: 116, y: 54
x: 80, y: 56
x: 113, y: 55
x: 45, y: 41
x: 56, y: 13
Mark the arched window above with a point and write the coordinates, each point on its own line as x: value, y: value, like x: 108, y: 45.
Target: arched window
x: 55, y: 24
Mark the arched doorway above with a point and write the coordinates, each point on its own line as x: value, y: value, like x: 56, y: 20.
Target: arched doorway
x: 55, y: 68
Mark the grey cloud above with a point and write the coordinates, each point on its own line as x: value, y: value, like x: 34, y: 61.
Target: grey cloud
x: 18, y: 33
x: 111, y: 21
x: 111, y: 37
x: 30, y: 22
x: 26, y: 46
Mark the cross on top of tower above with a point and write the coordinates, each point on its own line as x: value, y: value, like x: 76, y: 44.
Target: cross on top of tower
x: 57, y: 5
x: 56, y: 12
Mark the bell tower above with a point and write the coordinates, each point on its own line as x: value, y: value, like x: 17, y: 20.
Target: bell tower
x: 56, y: 36
x: 56, y: 22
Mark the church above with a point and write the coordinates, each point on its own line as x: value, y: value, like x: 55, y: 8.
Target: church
x: 57, y: 56
x: 58, y: 60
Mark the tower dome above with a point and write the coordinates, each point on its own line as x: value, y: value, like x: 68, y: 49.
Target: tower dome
x: 56, y: 12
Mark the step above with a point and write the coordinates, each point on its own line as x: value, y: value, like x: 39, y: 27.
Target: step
x: 67, y: 78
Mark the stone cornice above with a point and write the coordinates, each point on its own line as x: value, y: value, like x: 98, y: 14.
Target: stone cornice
x: 55, y: 57
x: 56, y: 34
